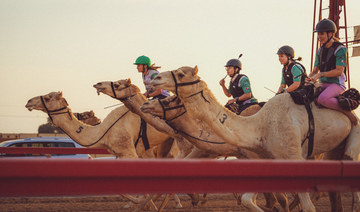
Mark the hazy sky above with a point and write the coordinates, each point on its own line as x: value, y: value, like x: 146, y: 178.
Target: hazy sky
x: 67, y: 45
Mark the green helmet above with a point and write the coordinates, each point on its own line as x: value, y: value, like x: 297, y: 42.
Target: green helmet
x: 143, y: 60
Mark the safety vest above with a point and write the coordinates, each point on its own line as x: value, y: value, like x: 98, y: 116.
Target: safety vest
x: 235, y: 90
x: 288, y: 76
x: 327, y: 57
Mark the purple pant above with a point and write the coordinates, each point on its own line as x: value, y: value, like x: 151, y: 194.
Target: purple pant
x: 327, y: 97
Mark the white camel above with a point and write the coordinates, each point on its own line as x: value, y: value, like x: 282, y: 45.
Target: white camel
x: 276, y: 131
x: 173, y: 111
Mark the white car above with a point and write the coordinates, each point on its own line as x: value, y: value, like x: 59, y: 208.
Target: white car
x: 43, y: 142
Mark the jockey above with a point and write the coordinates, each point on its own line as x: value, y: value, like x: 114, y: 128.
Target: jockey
x: 293, y: 73
x: 330, y: 66
x: 148, y: 73
x: 239, y: 87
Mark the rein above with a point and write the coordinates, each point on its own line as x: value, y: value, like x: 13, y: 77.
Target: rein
x: 185, y: 84
x: 114, y: 93
x: 54, y: 112
x: 176, y: 130
x: 171, y: 108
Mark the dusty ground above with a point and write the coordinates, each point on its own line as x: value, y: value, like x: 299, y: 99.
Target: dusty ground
x: 216, y: 202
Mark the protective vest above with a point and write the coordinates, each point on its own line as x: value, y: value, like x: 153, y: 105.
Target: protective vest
x: 235, y: 90
x: 327, y: 57
x: 288, y: 76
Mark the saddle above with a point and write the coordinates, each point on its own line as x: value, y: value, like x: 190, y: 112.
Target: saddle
x: 304, y: 96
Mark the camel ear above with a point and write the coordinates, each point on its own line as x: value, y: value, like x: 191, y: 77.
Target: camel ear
x: 59, y: 96
x: 128, y: 81
x: 92, y: 113
x: 196, y: 70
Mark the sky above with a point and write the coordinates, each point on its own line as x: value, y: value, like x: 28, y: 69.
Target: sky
x: 67, y: 45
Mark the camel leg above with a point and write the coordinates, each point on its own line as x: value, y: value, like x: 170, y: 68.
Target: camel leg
x: 177, y: 200
x: 336, y: 202
x: 270, y: 200
x: 147, y: 200
x: 306, y: 203
x: 238, y: 198
x: 164, y: 203
x: 248, y: 201
x: 283, y: 201
x: 131, y: 198
x: 204, y: 199
x: 195, y: 198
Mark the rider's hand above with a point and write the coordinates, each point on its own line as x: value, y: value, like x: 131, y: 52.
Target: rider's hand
x: 231, y: 101
x: 222, y: 82
x: 315, y: 77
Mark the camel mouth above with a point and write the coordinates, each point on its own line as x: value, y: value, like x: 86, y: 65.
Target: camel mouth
x: 99, y: 90
x: 156, y: 84
x: 145, y: 110
x: 30, y: 108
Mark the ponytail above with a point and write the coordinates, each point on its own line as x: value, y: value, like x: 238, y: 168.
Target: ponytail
x: 298, y: 59
x: 154, y: 67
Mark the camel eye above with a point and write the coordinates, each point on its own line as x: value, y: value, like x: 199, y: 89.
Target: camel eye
x: 181, y: 75
x: 166, y: 103
x: 46, y: 98
x: 116, y: 86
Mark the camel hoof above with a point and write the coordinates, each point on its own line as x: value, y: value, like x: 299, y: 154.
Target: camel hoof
x: 178, y: 205
x: 275, y: 209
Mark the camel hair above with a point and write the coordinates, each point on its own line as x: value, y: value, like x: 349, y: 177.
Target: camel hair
x: 173, y: 111
x: 280, y: 125
x: 130, y: 95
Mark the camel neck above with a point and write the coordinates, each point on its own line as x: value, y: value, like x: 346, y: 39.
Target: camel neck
x: 233, y: 129
x: 134, y: 103
x: 84, y: 134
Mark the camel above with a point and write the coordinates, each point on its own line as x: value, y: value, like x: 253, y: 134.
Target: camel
x: 131, y: 97
x: 88, y: 117
x: 173, y: 111
x: 116, y: 133
x: 280, y: 125
x: 207, y: 142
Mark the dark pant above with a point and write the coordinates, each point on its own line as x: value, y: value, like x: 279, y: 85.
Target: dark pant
x: 243, y: 107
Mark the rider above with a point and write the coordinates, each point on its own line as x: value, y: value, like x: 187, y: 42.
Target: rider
x: 329, y: 67
x: 239, y: 87
x: 293, y: 73
x: 148, y: 73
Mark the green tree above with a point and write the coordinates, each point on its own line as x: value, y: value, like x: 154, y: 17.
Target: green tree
x: 49, y: 127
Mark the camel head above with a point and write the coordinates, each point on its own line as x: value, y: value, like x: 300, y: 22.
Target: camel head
x: 117, y: 89
x: 167, y: 108
x: 88, y: 117
x: 52, y: 101
x: 184, y: 79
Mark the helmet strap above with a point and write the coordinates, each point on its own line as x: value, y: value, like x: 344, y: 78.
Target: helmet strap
x: 329, y: 38
x: 144, y: 69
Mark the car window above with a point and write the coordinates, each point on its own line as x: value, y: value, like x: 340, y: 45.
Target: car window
x: 40, y: 144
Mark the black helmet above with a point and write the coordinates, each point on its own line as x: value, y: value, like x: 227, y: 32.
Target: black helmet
x: 325, y: 25
x: 234, y: 63
x: 287, y: 50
